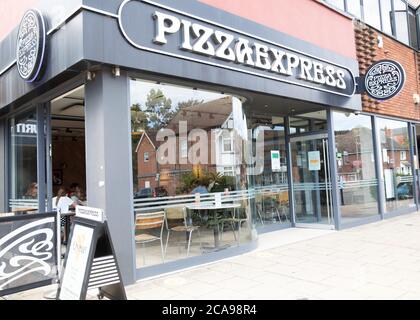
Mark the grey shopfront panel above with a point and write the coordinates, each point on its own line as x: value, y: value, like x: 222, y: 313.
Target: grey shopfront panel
x: 107, y: 39
x: 94, y: 32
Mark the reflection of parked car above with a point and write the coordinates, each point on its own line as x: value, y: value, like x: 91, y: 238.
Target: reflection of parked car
x: 151, y: 193
x: 405, y: 190
x: 144, y: 193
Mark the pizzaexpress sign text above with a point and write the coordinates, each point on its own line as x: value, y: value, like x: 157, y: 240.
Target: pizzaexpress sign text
x: 156, y: 28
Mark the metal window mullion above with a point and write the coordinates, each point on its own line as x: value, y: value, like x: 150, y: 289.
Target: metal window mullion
x: 4, y: 127
x: 289, y: 172
x: 413, y: 171
x: 362, y: 11
x: 417, y: 17
x: 380, y: 15
x: 333, y: 171
x: 40, y: 137
x: 48, y: 156
x: 379, y: 171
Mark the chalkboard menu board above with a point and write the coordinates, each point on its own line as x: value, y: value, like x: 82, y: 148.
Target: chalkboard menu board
x: 90, y: 262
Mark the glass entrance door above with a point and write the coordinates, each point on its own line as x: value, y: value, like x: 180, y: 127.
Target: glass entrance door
x: 311, y: 180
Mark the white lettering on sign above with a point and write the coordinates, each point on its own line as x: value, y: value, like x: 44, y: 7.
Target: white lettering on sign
x: 25, y: 128
x: 222, y: 45
x: 90, y: 213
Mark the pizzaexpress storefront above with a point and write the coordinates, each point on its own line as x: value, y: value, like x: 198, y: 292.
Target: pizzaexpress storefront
x: 193, y: 129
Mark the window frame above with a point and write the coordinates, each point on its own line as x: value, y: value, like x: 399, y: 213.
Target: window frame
x: 225, y: 138
x: 393, y: 33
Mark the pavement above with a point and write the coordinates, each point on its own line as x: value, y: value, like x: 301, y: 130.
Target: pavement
x: 375, y: 261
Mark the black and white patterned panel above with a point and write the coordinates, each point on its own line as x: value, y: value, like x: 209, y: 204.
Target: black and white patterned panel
x: 27, y: 253
x: 384, y: 79
x: 30, y: 48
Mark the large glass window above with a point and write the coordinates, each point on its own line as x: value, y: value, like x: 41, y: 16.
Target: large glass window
x: 386, y: 11
x: 337, y: 3
x: 358, y: 184
x: 191, y: 196
x: 269, y: 174
x: 401, y: 22
x: 23, y: 184
x: 412, y: 23
x: 397, y: 173
x: 354, y: 8
x: 371, y: 13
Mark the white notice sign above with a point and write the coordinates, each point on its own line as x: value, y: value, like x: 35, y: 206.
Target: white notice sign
x: 275, y: 161
x: 314, y: 160
x: 90, y: 213
x: 74, y: 274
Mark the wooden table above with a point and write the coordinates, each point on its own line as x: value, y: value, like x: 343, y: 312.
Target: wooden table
x: 23, y: 209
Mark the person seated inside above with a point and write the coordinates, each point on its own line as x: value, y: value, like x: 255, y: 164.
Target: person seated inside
x: 32, y: 191
x: 63, y: 204
x: 77, y: 195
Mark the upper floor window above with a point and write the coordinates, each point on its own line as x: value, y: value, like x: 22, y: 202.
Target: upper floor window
x: 401, y: 21
x: 146, y: 157
x: 227, y: 144
x: 337, y: 3
x: 393, y: 17
x: 371, y: 13
x: 354, y: 7
x: 386, y: 13
x: 412, y: 25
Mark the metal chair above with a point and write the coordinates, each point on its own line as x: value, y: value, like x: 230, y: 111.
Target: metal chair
x: 234, y: 218
x: 179, y: 214
x: 149, y: 221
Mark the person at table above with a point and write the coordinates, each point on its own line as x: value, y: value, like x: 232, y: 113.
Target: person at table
x: 76, y: 194
x: 32, y: 191
x: 62, y: 203
x: 200, y: 189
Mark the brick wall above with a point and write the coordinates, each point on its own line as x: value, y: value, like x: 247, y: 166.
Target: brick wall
x: 368, y: 52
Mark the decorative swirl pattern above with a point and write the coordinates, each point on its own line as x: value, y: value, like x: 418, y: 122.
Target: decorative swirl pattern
x: 384, y: 80
x: 32, y: 256
x: 30, y: 45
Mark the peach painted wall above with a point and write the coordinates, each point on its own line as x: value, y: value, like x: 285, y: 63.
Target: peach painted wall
x: 308, y: 20
x: 11, y: 12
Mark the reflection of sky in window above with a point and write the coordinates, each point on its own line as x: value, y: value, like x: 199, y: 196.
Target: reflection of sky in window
x: 391, y: 124
x: 177, y: 94
x: 342, y: 122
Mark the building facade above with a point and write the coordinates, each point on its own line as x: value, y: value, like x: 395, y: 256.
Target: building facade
x: 226, y: 118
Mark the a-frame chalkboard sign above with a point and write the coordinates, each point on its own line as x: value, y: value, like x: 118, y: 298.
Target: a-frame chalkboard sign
x: 90, y: 261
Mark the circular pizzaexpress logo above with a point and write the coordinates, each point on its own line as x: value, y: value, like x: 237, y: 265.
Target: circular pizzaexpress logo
x: 30, y: 49
x: 384, y: 79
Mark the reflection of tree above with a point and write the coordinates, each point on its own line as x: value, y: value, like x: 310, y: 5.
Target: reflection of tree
x: 189, y: 103
x: 154, y: 115
x: 157, y: 111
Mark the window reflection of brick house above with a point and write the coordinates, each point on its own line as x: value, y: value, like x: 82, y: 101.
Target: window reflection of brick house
x: 208, y: 116
x: 356, y: 152
x: 146, y: 162
x: 356, y: 160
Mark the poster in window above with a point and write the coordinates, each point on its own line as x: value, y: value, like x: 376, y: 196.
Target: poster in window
x: 275, y: 161
x: 314, y: 160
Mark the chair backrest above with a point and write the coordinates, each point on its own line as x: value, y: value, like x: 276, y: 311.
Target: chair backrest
x: 175, y: 213
x: 150, y: 220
